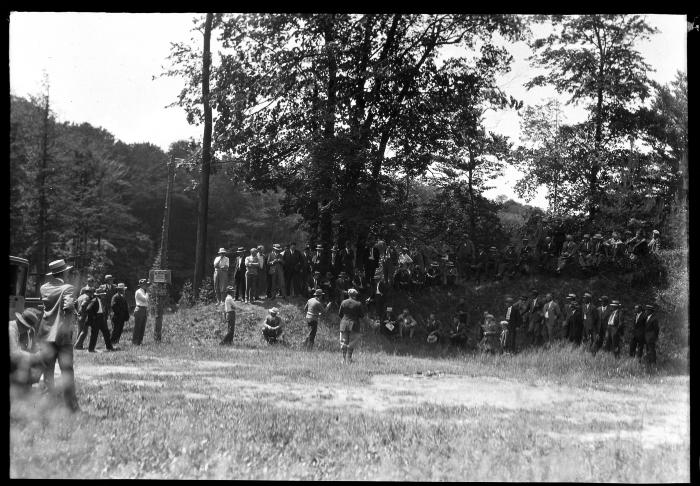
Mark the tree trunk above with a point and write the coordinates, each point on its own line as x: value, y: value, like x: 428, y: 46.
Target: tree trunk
x: 43, y: 246
x: 203, y: 206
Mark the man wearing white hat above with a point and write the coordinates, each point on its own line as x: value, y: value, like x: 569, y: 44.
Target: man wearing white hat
x: 653, y: 246
x: 614, y: 329
x: 56, y: 330
x: 221, y: 264
x: 272, y: 327
x: 120, y: 312
x: 313, y: 310
x: 276, y: 272
x: 141, y: 311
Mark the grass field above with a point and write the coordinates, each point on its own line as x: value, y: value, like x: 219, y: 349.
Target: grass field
x: 188, y: 408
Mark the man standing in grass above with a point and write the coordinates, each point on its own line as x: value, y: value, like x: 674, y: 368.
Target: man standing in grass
x: 272, y: 327
x: 252, y: 266
x: 313, y: 309
x: 613, y: 333
x: 514, y: 320
x: 552, y: 317
x: 221, y: 264
x: 534, y: 318
x: 590, y: 320
x: 229, y: 316
x: 651, y: 333
x: 350, y: 313
x: 120, y: 312
x: 638, y: 331
x: 141, y: 311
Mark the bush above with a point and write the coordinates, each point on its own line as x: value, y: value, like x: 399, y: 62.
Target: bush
x: 187, y: 298
x: 206, y: 292
x: 672, y: 298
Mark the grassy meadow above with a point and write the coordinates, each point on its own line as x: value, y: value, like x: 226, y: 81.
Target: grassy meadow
x: 189, y: 408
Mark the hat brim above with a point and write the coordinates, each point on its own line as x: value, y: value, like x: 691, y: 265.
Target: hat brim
x: 56, y: 272
x: 21, y: 320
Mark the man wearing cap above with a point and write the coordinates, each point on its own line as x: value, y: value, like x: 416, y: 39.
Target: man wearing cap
x: 342, y: 285
x: 614, y: 329
x: 614, y: 247
x: 90, y: 284
x: 140, y: 312
x: 26, y: 363
x: 229, y: 316
x: 335, y: 265
x: 548, y: 254
x: 85, y: 318
x: 638, y: 329
x: 651, y: 333
x: 120, y: 312
x: 380, y: 291
x: 552, y: 317
x: 350, y: 313
x: 319, y: 261
x: 407, y: 324
x: 56, y: 329
x: 253, y: 266
x: 239, y: 270
x: 313, y: 310
x: 221, y: 264
x: 514, y: 321
x: 272, y: 327
x: 590, y: 320
x: 97, y: 317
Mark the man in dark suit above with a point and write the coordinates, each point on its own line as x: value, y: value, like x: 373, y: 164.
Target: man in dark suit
x: 575, y: 324
x: 651, y: 333
x: 590, y: 320
x: 534, y: 318
x: 603, y: 315
x: 239, y: 273
x: 335, y: 264
x: 110, y: 290
x: 347, y: 259
x: 120, y: 313
x: 319, y: 261
x: 614, y: 329
x: 514, y: 321
x: 548, y: 254
x: 292, y: 261
x: 638, y: 329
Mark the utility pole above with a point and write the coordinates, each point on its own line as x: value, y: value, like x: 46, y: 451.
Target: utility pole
x: 203, y: 206
x: 162, y: 289
x: 43, y: 246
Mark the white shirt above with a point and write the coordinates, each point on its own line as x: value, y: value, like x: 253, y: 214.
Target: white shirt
x: 508, y: 313
x: 612, y: 318
x: 100, y: 310
x: 228, y: 303
x: 221, y: 262
x: 141, y: 297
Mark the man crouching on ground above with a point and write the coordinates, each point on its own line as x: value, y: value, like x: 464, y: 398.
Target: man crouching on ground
x: 350, y: 313
x: 272, y: 327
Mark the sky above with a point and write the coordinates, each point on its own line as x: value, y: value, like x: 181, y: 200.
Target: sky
x: 104, y: 69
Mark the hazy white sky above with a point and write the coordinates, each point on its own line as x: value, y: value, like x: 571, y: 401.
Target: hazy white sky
x: 101, y: 68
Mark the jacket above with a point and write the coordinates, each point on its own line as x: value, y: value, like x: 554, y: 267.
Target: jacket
x: 639, y: 325
x: 59, y: 311
x: 347, y: 260
x: 553, y: 312
x: 350, y: 313
x: 590, y: 317
x: 651, y: 328
x: 617, y: 322
x: 514, y: 319
x: 120, y: 309
x: 292, y: 261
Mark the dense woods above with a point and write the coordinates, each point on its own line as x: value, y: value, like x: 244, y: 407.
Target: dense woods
x: 330, y: 127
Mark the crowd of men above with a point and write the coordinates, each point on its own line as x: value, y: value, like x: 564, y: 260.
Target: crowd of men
x: 287, y: 271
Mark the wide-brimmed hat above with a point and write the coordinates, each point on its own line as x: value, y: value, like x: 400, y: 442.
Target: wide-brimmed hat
x: 253, y: 249
x: 587, y: 294
x: 586, y: 235
x: 525, y: 238
x: 240, y: 249
x: 108, y: 276
x: 274, y: 310
x: 319, y: 247
x: 144, y: 281
x: 434, y: 264
x: 318, y: 292
x: 121, y: 286
x: 404, y: 248
x: 230, y: 288
x: 604, y: 298
x: 89, y: 289
x: 389, y: 309
x: 509, y: 299
x: 615, y: 302
x: 101, y: 290
x: 572, y: 295
x: 222, y: 250
x: 29, y: 317
x: 597, y: 236
x: 58, y: 266
x: 317, y: 272
x: 655, y: 232
x: 335, y: 248
x: 651, y: 306
x: 352, y: 292
x: 534, y: 291
x: 276, y: 246
x: 450, y: 264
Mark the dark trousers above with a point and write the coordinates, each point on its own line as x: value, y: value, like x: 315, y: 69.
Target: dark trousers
x: 52, y: 352
x: 239, y: 281
x: 231, y: 321
x: 140, y: 316
x: 510, y: 340
x: 313, y: 327
x: 271, y: 335
x: 637, y: 346
x: 99, y: 324
x: 575, y: 333
x: 290, y: 285
x: 117, y: 328
x: 612, y: 341
x: 651, y: 353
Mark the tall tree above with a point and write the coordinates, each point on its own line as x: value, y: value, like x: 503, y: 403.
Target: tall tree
x: 594, y: 59
x: 203, y: 206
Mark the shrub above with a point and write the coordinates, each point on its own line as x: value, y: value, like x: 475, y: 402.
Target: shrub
x: 673, y: 297
x: 206, y: 291
x: 187, y: 298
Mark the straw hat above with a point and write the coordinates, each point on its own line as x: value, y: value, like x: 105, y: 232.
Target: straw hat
x: 30, y: 317
x: 318, y: 292
x: 222, y: 251
x: 58, y: 266
x: 274, y: 310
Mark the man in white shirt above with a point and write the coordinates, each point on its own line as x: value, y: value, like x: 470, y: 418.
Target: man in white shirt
x: 221, y: 264
x: 253, y: 266
x: 141, y: 311
x: 313, y: 309
x: 229, y: 316
x: 613, y: 333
